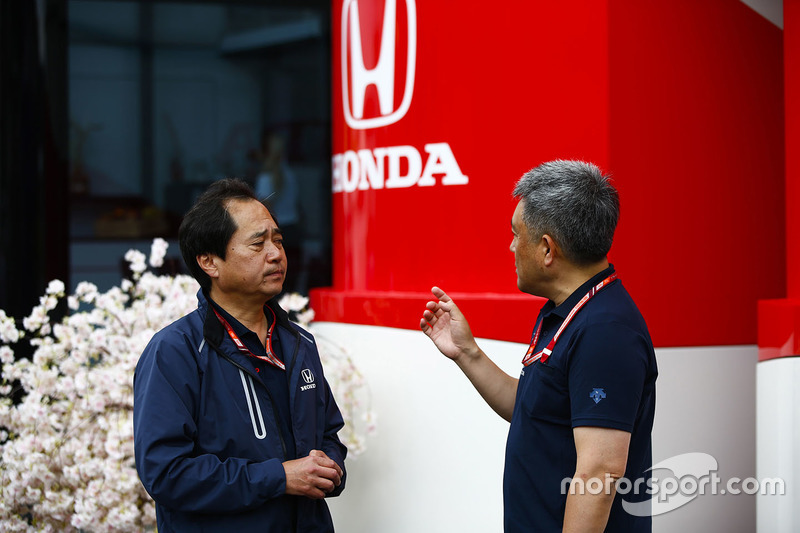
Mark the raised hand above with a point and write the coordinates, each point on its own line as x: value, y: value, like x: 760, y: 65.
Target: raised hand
x: 443, y: 322
x: 445, y: 325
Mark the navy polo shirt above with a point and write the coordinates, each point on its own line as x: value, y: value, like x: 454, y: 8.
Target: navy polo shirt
x: 275, y: 379
x: 602, y: 372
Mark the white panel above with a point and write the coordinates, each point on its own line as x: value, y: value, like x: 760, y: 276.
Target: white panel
x: 779, y: 442
x: 436, y: 461
x: 705, y: 402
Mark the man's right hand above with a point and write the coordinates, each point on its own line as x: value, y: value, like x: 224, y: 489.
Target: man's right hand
x: 313, y: 476
x: 445, y: 325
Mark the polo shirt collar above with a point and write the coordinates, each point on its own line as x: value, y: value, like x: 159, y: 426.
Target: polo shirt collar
x: 566, y: 306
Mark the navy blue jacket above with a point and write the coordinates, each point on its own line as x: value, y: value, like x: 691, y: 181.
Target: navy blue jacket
x: 207, y: 444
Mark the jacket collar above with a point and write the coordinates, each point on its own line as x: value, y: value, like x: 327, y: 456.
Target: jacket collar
x: 213, y: 330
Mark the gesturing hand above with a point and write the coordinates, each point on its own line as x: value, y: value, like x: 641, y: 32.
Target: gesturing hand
x: 446, y: 326
x: 313, y: 476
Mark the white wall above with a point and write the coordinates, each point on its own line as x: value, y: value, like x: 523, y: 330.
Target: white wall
x: 778, y: 415
x: 436, y: 461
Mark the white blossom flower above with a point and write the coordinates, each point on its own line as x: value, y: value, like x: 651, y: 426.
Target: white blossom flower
x: 293, y: 302
x: 305, y: 318
x: 86, y: 291
x: 157, y: 252
x: 48, y: 302
x: 8, y: 330
x: 36, y: 319
x: 136, y: 260
x: 55, y: 288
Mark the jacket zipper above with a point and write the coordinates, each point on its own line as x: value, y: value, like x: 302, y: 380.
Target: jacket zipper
x: 269, y: 394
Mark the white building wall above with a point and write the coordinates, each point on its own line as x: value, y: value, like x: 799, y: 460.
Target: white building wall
x: 435, y: 463
x: 778, y: 430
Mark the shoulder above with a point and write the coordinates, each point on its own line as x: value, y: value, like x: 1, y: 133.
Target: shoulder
x: 179, y: 340
x: 305, y: 335
x: 187, y: 326
x: 611, y: 326
x: 291, y: 327
x: 613, y: 308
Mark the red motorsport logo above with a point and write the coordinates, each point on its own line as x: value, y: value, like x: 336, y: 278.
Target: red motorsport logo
x: 395, y: 167
x: 693, y: 475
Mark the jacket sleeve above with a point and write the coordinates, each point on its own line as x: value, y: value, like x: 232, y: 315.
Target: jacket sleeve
x: 166, y: 388
x: 331, y: 444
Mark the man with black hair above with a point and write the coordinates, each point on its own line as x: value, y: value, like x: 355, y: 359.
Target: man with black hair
x: 235, y: 427
x: 582, y: 410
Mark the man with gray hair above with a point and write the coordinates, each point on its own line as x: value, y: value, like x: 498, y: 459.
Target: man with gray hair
x: 582, y: 409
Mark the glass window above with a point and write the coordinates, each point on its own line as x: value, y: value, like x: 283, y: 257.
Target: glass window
x: 166, y: 97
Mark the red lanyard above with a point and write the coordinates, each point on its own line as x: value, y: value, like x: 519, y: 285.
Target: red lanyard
x: 270, y: 358
x: 544, y: 355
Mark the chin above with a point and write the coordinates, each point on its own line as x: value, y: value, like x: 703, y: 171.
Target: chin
x: 273, y: 290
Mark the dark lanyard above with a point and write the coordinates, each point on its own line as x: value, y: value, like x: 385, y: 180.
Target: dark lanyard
x: 270, y: 358
x: 544, y: 354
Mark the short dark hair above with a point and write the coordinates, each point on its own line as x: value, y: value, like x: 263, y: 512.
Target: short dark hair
x: 208, y: 227
x: 574, y: 203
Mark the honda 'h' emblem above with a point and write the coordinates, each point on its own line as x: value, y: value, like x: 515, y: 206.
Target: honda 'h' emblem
x: 356, y: 77
x: 308, y: 377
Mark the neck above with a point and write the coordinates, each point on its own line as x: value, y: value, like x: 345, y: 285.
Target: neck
x: 573, y: 276
x: 249, y: 314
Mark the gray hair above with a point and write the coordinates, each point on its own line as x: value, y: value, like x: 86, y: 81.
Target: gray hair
x: 574, y: 203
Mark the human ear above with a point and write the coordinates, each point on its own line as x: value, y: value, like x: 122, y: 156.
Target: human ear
x: 208, y: 262
x: 550, y: 249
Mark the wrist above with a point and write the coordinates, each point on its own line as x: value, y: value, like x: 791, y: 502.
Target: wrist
x: 469, y: 354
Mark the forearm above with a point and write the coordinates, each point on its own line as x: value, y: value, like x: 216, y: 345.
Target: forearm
x: 334, y: 449
x: 331, y: 444
x: 496, y: 387
x: 587, y: 511
x: 205, y: 484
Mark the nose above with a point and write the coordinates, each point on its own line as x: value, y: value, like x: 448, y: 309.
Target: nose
x: 274, y: 252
